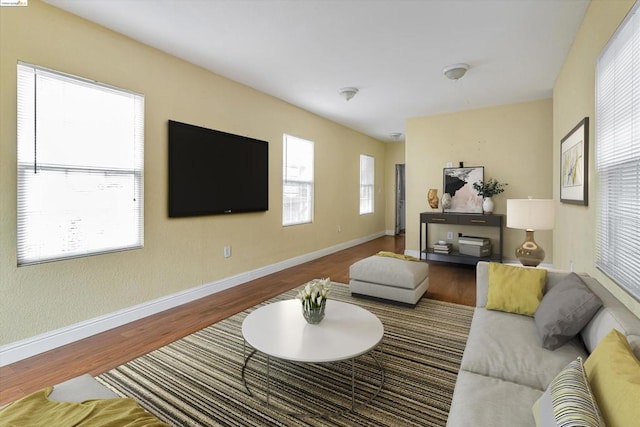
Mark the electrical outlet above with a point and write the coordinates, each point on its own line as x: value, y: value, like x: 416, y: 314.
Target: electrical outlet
x: 449, y: 235
x: 339, y: 229
x: 227, y: 251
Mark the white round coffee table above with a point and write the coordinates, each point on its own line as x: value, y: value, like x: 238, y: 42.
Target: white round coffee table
x: 347, y: 331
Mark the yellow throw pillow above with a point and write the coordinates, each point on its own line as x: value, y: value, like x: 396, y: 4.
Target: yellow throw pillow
x: 614, y: 376
x: 515, y: 289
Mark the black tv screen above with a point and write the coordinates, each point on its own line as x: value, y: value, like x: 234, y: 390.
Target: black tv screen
x: 213, y: 172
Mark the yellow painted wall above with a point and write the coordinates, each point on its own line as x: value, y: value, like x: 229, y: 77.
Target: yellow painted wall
x: 394, y: 155
x: 573, y: 99
x: 512, y: 142
x: 179, y: 254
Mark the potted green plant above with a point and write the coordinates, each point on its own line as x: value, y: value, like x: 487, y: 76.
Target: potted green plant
x: 488, y: 189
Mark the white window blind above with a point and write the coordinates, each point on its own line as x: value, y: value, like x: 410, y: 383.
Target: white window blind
x: 367, y: 174
x: 297, y: 182
x: 80, y: 167
x: 618, y: 155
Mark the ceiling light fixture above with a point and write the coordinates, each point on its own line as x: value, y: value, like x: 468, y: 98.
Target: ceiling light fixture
x: 348, y: 92
x: 455, y: 71
x: 395, y: 135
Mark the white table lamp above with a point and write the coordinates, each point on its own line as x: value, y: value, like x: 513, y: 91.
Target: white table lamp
x: 530, y: 215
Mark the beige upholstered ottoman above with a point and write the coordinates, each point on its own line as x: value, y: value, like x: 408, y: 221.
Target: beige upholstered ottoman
x: 389, y: 278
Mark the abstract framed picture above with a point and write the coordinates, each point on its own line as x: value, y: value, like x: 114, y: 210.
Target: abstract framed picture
x: 574, y: 165
x: 458, y: 184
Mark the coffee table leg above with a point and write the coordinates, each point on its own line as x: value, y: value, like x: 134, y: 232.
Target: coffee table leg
x: 353, y: 383
x: 268, y: 378
x: 354, y: 407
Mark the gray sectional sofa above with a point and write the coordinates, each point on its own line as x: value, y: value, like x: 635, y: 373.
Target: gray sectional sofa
x: 505, y: 369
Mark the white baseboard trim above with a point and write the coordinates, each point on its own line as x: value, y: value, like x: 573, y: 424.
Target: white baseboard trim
x: 19, y: 350
x: 412, y: 253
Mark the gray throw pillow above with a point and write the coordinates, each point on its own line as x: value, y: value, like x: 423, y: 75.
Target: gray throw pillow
x: 564, y: 311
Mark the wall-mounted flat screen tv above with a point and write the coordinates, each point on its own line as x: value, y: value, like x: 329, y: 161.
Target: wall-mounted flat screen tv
x: 213, y: 172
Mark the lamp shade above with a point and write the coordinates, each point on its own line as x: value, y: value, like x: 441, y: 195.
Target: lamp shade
x: 530, y: 214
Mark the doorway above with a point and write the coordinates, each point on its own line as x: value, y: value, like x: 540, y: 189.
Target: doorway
x: 400, y: 199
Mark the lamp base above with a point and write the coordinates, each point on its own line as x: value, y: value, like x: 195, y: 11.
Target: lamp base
x: 529, y: 253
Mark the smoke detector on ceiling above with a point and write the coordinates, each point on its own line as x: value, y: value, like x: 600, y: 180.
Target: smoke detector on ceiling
x: 348, y: 92
x: 455, y: 71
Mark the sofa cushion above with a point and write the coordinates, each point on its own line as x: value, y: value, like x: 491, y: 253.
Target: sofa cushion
x: 515, y: 289
x: 564, y: 310
x: 484, y: 401
x: 568, y: 400
x: 614, y: 376
x: 506, y: 346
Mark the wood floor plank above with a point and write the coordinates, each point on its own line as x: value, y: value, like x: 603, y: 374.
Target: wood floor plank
x: 105, y: 351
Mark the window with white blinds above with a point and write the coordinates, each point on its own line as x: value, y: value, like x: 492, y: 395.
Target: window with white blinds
x: 297, y: 181
x: 618, y: 155
x: 80, y: 167
x: 367, y: 174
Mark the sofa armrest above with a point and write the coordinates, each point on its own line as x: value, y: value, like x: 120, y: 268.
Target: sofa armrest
x: 482, y: 283
x: 79, y: 389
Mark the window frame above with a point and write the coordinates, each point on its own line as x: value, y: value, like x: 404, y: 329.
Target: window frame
x: 618, y: 155
x: 292, y: 180
x: 45, y: 230
x: 367, y: 184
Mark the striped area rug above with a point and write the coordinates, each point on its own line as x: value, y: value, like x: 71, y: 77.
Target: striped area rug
x: 196, y: 381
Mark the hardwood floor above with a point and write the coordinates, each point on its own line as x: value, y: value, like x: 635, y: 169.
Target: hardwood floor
x: 100, y: 353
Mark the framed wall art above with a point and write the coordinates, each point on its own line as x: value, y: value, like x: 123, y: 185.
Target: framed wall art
x: 574, y: 165
x: 458, y: 185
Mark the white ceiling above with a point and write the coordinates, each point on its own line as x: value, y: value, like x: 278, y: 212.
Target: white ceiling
x: 304, y: 51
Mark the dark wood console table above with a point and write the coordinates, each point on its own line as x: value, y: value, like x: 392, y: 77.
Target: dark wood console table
x: 480, y: 220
